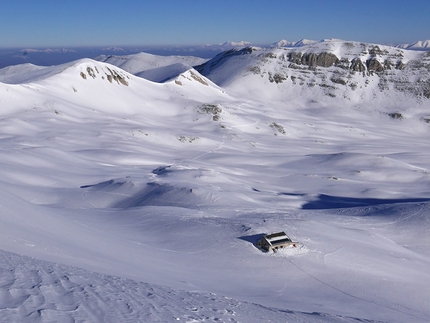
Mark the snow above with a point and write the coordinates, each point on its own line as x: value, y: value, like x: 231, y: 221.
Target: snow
x: 299, y: 43
x: 420, y: 44
x: 146, y: 65
x: 235, y: 44
x: 141, y: 201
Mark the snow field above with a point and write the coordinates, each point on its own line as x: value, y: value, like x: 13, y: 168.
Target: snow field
x: 143, y: 202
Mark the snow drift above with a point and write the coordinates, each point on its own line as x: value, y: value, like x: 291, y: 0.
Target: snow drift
x: 125, y: 199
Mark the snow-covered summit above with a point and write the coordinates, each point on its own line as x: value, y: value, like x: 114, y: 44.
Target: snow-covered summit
x: 233, y: 44
x: 421, y: 44
x: 48, y: 50
x: 329, y: 68
x: 141, y: 62
x: 130, y: 200
x: 299, y: 43
x: 28, y: 73
x: 16, y: 74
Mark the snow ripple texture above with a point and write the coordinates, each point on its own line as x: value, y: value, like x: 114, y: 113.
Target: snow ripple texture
x: 33, y: 290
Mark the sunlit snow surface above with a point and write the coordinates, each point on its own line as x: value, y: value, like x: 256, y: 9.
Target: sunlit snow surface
x: 125, y: 200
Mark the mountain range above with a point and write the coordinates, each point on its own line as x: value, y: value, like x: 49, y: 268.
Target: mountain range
x: 421, y: 44
x: 135, y: 187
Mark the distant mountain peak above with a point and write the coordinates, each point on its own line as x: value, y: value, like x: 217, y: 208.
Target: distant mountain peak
x: 48, y: 50
x: 114, y: 49
x: 236, y: 44
x: 331, y: 40
x: 299, y: 43
x: 304, y: 42
x: 281, y: 43
x: 421, y: 44
x: 330, y: 68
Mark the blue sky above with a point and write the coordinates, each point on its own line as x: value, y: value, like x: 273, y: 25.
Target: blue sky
x: 41, y: 23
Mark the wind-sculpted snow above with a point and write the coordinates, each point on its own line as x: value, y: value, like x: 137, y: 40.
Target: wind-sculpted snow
x: 37, y: 291
x: 150, y: 194
x: 127, y: 200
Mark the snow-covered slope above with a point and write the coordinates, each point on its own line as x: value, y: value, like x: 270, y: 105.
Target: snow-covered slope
x: 50, y: 292
x: 20, y: 73
x: 421, y: 44
x: 152, y: 67
x: 130, y: 200
x: 332, y: 71
x: 299, y: 43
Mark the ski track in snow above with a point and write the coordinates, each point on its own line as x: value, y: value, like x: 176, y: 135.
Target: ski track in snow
x: 373, y: 299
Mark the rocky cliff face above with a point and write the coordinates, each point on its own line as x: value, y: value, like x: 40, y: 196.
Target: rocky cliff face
x: 379, y: 60
x: 337, y: 68
x: 313, y: 60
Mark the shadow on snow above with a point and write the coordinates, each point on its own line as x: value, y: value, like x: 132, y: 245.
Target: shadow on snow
x: 336, y: 202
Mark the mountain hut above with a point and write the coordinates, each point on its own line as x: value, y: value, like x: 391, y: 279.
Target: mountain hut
x: 276, y: 241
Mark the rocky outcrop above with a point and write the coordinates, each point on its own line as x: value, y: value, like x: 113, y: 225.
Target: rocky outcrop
x: 391, y: 69
x: 373, y: 65
x: 357, y: 65
x: 116, y: 76
x: 111, y: 75
x: 400, y: 65
x: 337, y: 69
x: 375, y: 50
x: 277, y: 78
x: 323, y: 59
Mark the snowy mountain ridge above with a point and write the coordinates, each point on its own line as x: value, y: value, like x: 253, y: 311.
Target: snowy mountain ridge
x: 143, y: 63
x: 140, y: 195
x: 235, y: 44
x: 350, y: 71
x: 299, y: 43
x: 28, y: 73
x: 420, y: 44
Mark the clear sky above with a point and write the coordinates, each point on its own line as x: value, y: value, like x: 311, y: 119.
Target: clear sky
x: 57, y: 23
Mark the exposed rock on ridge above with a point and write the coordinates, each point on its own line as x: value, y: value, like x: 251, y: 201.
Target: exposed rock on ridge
x: 323, y: 59
x: 111, y: 75
x: 337, y: 67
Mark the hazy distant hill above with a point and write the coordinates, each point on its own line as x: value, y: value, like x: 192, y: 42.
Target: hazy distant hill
x: 421, y: 44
